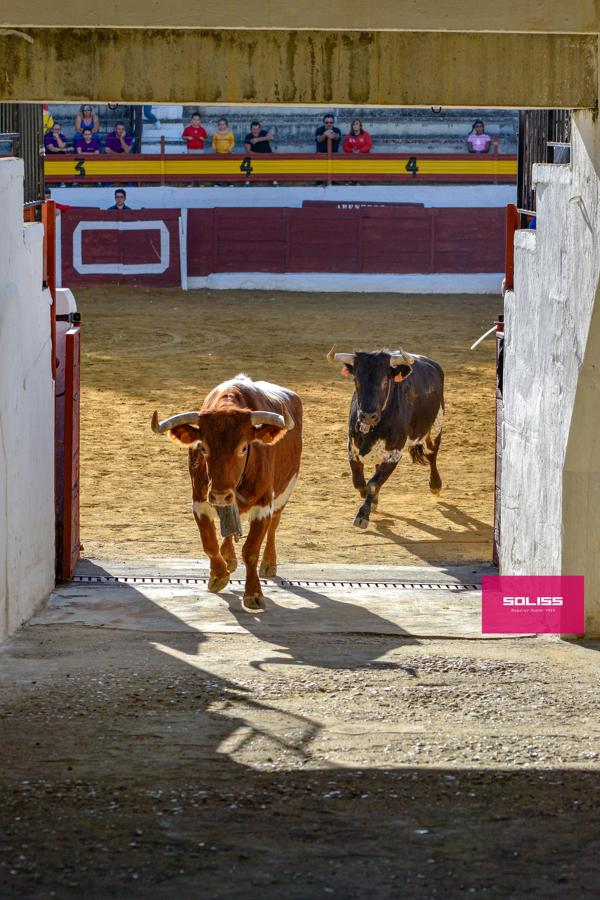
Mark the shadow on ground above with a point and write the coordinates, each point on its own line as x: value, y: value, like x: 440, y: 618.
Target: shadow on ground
x: 123, y: 777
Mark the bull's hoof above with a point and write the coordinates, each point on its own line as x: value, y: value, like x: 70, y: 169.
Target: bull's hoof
x: 216, y: 583
x: 231, y: 565
x: 361, y: 522
x: 253, y: 603
x: 363, y: 492
x: 435, y: 489
x: 267, y: 569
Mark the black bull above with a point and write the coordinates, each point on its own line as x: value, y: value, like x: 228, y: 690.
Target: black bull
x: 398, y: 403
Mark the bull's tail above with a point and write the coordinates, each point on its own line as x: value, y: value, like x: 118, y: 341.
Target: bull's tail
x: 418, y: 454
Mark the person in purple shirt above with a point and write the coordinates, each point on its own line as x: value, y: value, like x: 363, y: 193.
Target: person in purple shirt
x: 118, y: 141
x: 55, y: 141
x: 89, y: 142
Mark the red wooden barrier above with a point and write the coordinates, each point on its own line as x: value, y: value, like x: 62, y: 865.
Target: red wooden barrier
x: 388, y: 240
x: 512, y: 224
x: 68, y: 530
x: 130, y: 247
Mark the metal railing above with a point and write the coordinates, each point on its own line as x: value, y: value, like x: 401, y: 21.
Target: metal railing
x: 544, y: 137
x: 22, y: 135
x: 290, y: 168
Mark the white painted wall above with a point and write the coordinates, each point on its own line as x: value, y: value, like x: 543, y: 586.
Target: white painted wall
x: 551, y: 439
x: 431, y: 195
x: 26, y: 412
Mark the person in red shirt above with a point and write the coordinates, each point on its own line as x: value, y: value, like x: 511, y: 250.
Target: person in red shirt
x: 357, y: 140
x: 195, y: 135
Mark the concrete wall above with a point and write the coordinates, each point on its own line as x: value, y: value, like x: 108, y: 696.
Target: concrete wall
x: 443, y: 15
x: 551, y: 462
x: 346, y: 66
x: 26, y: 412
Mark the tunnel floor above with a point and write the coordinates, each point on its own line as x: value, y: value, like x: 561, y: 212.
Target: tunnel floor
x: 160, y: 743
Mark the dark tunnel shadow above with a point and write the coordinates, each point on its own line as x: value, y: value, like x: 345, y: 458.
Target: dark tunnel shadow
x: 292, y: 831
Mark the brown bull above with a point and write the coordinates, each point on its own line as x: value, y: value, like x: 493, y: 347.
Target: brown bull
x: 245, y: 445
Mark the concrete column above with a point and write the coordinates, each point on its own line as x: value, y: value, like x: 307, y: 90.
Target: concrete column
x: 551, y: 464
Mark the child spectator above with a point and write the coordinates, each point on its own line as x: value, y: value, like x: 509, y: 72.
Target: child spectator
x: 223, y: 140
x: 88, y: 143
x: 120, y: 198
x: 87, y: 118
x: 118, y: 141
x: 478, y: 141
x: 357, y: 140
x: 59, y: 206
x: 55, y: 141
x: 195, y: 135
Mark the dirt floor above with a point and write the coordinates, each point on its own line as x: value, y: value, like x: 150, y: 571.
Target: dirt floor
x: 165, y: 350
x: 165, y: 766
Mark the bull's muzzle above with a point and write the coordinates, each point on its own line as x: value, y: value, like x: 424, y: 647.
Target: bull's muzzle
x: 368, y: 420
x: 221, y: 498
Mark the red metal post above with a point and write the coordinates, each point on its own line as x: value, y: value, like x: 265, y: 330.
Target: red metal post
x: 162, y: 160
x: 512, y: 225
x: 68, y: 553
x: 329, y: 160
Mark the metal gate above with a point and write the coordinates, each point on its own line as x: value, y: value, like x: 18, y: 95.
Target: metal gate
x: 22, y: 135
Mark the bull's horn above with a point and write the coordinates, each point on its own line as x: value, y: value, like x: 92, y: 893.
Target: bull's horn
x: 186, y: 418
x: 399, y: 358
x: 346, y: 358
x: 261, y: 417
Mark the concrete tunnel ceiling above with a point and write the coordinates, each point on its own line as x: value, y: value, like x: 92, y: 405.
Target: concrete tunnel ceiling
x: 304, y: 66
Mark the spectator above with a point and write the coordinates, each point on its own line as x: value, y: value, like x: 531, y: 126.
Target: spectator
x: 59, y: 206
x: 223, y: 140
x: 357, y: 140
x: 118, y: 141
x: 48, y: 118
x: 195, y: 135
x: 87, y: 118
x: 149, y: 116
x: 120, y: 197
x: 88, y: 143
x: 258, y: 140
x: 325, y: 131
x: 478, y: 141
x: 55, y: 141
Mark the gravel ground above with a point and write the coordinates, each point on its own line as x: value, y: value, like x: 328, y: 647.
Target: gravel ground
x: 183, y: 766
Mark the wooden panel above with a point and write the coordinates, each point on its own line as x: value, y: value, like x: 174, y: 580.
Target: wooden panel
x: 117, y: 247
x: 200, y: 241
x: 323, y: 241
x: 470, y: 240
x: 396, y: 241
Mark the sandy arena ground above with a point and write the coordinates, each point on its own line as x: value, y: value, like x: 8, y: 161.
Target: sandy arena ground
x: 164, y: 350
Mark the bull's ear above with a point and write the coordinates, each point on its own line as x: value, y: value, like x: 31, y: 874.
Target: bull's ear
x: 346, y: 371
x: 399, y: 373
x: 269, y: 434
x: 184, y: 435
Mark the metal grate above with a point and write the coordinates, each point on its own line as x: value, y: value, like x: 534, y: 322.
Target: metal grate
x: 280, y: 582
x: 544, y: 136
x: 22, y: 135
